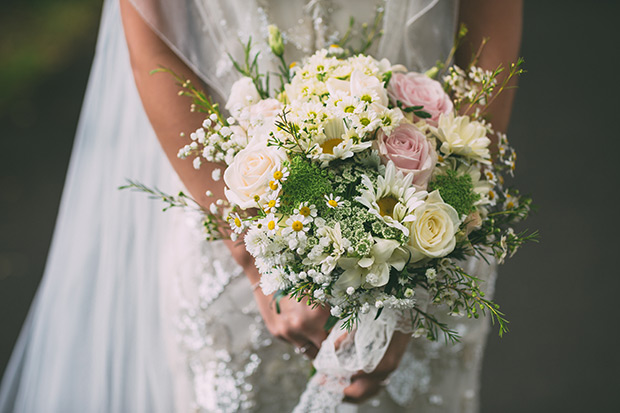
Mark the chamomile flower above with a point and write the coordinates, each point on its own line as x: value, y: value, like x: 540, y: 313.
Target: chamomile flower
x: 390, y: 118
x: 511, y: 202
x: 392, y: 198
x: 270, y: 224
x: 297, y: 226
x: 281, y: 174
x: 308, y: 211
x: 333, y: 201
x: 272, y: 202
x: 347, y: 105
x: 236, y: 223
x: 366, y: 122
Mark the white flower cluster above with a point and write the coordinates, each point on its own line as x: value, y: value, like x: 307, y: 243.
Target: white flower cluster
x: 473, y: 86
x: 215, y: 142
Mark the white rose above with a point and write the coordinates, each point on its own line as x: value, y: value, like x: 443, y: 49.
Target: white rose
x: 433, y: 229
x: 250, y: 172
x: 462, y: 136
x: 242, y: 94
x: 361, y: 83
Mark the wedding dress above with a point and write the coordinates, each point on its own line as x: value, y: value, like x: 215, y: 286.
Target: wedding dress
x: 136, y: 312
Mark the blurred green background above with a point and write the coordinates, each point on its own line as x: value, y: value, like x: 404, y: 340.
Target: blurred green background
x: 560, y: 296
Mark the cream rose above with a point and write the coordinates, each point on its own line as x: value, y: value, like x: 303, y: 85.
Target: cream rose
x: 462, y: 136
x: 410, y: 151
x: 242, y: 94
x: 250, y: 173
x: 432, y: 232
x: 416, y: 89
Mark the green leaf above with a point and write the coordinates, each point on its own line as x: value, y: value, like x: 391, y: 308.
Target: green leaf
x: 330, y: 323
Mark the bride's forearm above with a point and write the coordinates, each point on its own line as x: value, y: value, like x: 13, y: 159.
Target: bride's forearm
x: 169, y: 113
x: 500, y: 22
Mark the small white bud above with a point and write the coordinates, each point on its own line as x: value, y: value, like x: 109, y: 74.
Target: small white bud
x: 216, y: 174
x: 197, y: 163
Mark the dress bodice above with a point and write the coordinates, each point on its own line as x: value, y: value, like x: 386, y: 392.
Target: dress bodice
x: 415, y: 33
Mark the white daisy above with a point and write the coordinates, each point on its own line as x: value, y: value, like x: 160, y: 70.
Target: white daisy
x: 236, y: 223
x: 333, y: 201
x: 393, y: 198
x: 272, y: 202
x: 297, y: 226
x: 270, y: 224
x: 308, y: 211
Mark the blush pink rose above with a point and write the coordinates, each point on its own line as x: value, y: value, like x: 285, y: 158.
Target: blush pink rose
x: 416, y: 89
x: 410, y: 151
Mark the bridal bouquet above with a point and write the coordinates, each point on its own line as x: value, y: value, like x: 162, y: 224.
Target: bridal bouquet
x: 362, y: 186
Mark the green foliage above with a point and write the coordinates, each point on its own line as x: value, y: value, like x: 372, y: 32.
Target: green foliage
x: 307, y: 182
x: 456, y: 190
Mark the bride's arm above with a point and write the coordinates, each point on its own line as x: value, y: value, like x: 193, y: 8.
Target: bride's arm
x: 501, y: 23
x: 169, y: 115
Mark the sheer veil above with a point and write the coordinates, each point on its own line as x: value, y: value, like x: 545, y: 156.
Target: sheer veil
x: 95, y: 338
x: 416, y: 33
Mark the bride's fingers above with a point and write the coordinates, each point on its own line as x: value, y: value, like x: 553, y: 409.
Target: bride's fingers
x: 341, y: 340
x: 361, y: 389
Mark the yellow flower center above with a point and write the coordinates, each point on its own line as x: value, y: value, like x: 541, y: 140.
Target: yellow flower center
x: 292, y: 65
x: 273, y: 185
x: 349, y: 109
x: 278, y: 175
x: 366, y: 98
x: 271, y: 225
x: 365, y: 121
x: 297, y: 226
x: 440, y: 158
x: 510, y: 205
x: 491, y: 195
x: 332, y: 203
x: 329, y: 145
x: 271, y: 203
x: 304, y: 210
x: 237, y: 222
x: 386, y: 206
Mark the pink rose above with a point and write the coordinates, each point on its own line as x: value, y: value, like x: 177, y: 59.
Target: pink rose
x: 415, y: 89
x: 410, y: 151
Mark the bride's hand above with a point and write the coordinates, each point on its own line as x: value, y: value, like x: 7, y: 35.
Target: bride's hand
x: 366, y: 385
x: 297, y: 323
